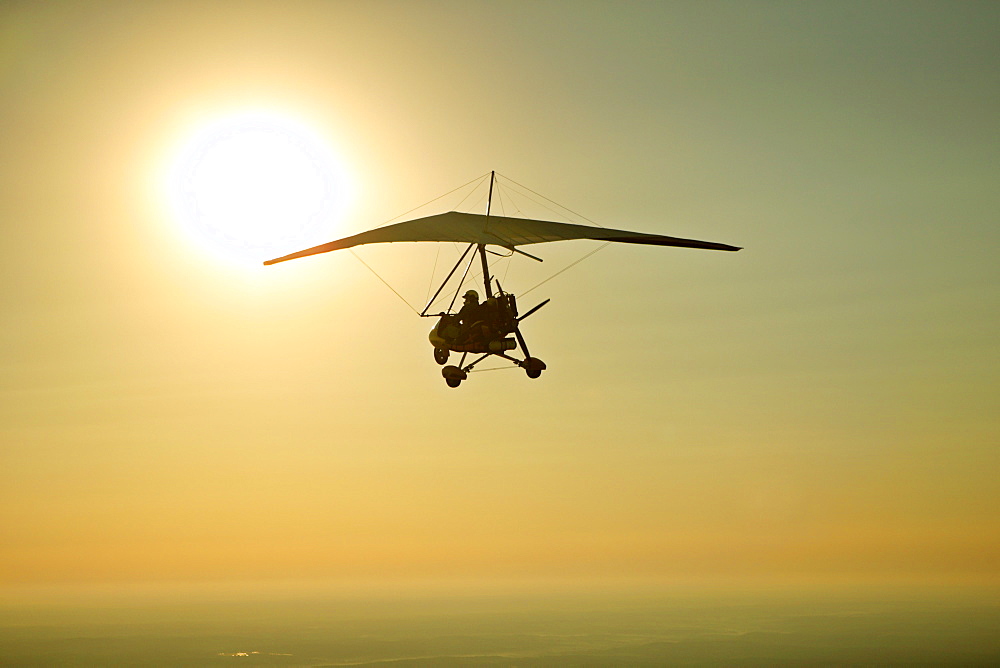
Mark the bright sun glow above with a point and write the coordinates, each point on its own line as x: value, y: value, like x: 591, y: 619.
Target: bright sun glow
x: 254, y: 185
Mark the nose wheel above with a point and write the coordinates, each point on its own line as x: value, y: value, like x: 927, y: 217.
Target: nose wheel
x: 441, y: 355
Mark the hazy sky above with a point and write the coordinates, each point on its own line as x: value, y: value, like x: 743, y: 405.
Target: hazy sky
x: 821, y: 405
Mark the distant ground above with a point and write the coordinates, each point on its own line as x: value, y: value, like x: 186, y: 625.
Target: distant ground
x: 818, y: 631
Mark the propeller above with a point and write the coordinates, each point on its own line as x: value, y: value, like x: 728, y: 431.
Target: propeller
x: 533, y: 310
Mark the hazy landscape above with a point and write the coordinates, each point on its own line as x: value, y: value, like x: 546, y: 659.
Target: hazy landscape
x: 582, y: 630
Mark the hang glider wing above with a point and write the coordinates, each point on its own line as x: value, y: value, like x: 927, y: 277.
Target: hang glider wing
x: 497, y: 231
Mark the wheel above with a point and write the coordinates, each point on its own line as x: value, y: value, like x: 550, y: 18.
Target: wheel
x: 453, y: 376
x: 441, y: 355
x: 533, y: 367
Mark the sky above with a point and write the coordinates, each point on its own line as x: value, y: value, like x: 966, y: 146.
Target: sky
x: 820, y: 407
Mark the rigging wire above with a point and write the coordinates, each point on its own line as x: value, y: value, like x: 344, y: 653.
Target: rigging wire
x: 478, y: 178
x: 517, y: 207
x: 461, y: 282
x: 503, y: 210
x: 469, y: 194
x: 479, y: 201
x: 500, y: 202
x: 599, y: 248
x: 494, y: 368
x: 510, y: 261
x: 475, y: 278
x: 575, y: 262
x: 559, y: 214
x: 464, y: 185
x: 553, y: 202
x: 517, y: 210
x: 478, y: 274
x: 430, y: 283
x: 383, y: 280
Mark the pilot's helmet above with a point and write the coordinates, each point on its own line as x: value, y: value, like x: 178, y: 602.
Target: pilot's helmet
x: 472, y: 294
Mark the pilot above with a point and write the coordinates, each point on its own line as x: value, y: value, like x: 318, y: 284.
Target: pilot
x: 469, y: 314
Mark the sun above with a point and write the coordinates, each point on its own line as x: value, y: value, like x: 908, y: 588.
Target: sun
x: 251, y: 185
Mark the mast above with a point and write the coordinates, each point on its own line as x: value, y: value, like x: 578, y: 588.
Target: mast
x: 489, y: 201
x: 482, y: 247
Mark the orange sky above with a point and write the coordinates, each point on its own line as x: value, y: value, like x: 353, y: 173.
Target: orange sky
x: 820, y: 405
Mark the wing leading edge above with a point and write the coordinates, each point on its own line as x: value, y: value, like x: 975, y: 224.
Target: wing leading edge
x: 497, y: 231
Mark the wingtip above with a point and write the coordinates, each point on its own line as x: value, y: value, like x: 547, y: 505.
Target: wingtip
x: 283, y: 258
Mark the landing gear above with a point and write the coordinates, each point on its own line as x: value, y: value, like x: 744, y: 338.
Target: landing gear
x: 441, y: 355
x: 453, y: 375
x: 533, y: 367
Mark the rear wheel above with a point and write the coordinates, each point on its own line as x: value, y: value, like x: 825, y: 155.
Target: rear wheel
x: 441, y: 355
x: 533, y: 367
x: 453, y: 376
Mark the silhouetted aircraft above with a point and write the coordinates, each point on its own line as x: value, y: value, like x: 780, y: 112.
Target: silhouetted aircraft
x: 491, y: 328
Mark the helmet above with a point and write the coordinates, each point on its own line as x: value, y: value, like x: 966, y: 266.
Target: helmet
x: 471, y: 294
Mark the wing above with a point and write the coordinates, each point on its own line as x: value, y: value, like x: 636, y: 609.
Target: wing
x: 497, y: 231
